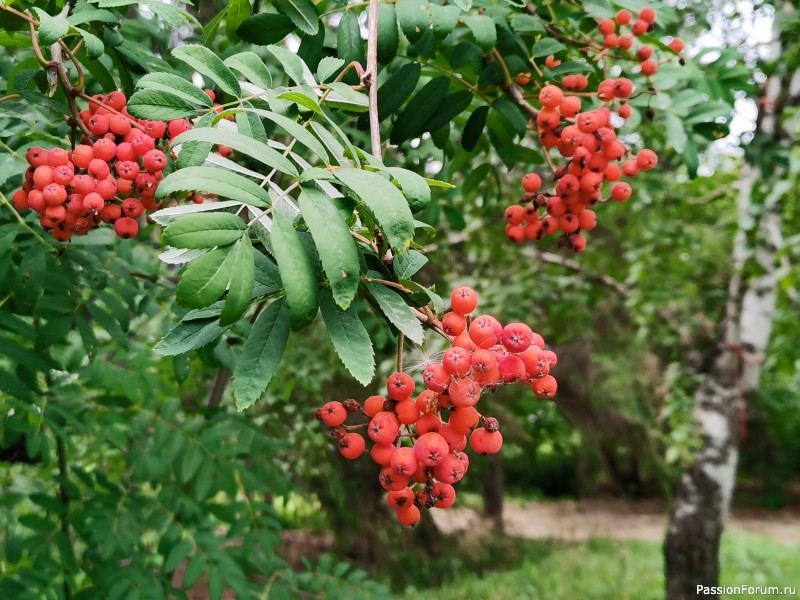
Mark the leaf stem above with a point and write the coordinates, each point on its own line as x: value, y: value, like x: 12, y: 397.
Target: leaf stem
x: 401, y: 340
x: 371, y: 80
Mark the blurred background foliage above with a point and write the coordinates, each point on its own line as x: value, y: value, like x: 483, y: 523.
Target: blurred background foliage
x: 127, y: 466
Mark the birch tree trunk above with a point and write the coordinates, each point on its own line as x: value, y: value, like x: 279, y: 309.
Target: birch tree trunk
x: 699, y: 512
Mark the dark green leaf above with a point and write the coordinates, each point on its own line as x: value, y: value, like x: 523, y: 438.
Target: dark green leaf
x: 188, y: 336
x: 209, y: 65
x: 388, y: 34
x: 50, y: 28
x: 238, y: 11
x: 241, y: 143
x: 210, y: 30
x: 205, y: 279
x: 546, y: 47
x: 157, y: 105
x: 452, y: 106
x: 406, y: 264
x: 474, y: 128
x: 445, y: 19
x: 349, y: 45
x: 396, y: 311
x: 297, y: 272
x: 214, y: 181
x: 483, y: 29
x: 175, y: 86
x: 204, y: 230
x: 422, y: 107
x: 336, y: 248
x: 397, y: 89
x: 386, y: 203
x: 251, y: 66
x: 303, y: 13
x: 415, y: 188
x: 291, y: 63
x: 261, y: 354
x: 350, y: 338
x: 265, y: 28
x: 329, y: 66
x: 240, y: 291
x: 414, y: 18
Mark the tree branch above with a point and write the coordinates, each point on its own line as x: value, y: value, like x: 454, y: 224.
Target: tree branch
x: 372, y: 78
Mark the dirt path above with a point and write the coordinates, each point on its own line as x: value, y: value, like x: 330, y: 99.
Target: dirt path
x: 585, y: 519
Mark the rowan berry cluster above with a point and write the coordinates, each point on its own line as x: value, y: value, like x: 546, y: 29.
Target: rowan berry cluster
x: 420, y: 441
x: 111, y: 177
x: 587, y: 139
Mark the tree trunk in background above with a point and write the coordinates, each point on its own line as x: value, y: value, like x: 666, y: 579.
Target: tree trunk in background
x: 493, y: 489
x: 704, y: 495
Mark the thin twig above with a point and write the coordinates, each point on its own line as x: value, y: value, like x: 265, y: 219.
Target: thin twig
x: 401, y: 339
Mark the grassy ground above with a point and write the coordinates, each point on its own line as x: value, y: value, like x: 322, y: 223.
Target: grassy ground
x: 604, y: 569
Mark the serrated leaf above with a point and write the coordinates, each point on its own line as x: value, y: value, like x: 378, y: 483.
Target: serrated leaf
x: 51, y: 28
x: 302, y: 100
x: 415, y: 188
x: 251, y: 126
x: 188, y: 336
x: 350, y: 338
x: 349, y: 45
x: 546, y: 47
x: 174, y: 85
x: 513, y: 115
x: 414, y: 18
x: 327, y: 67
x: 209, y: 65
x: 291, y: 63
x: 296, y: 131
x: 474, y: 128
x: 422, y: 107
x: 214, y: 181
x: 261, y: 354
x: 210, y: 30
x: 267, y: 276
x: 194, y: 154
x: 238, y: 11
x: 86, y: 13
x: 676, y: 133
x: 526, y: 24
x: 445, y: 19
x: 156, y: 105
x: 297, y: 272
x: 204, y: 230
x: 94, y: 45
x: 386, y: 203
x: 344, y: 97
x: 406, y: 264
x: 251, y: 66
x: 165, y: 216
x: 397, y: 89
x: 483, y: 30
x: 240, y: 291
x: 396, y: 311
x: 388, y: 33
x: 249, y: 147
x: 336, y: 248
x: 215, y: 584
x: 303, y: 14
x: 265, y: 28
x: 205, y: 279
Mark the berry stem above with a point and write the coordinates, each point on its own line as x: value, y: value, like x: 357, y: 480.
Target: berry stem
x: 392, y: 284
x: 401, y: 339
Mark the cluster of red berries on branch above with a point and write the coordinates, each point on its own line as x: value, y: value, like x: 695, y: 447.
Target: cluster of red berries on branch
x: 587, y: 141
x: 111, y: 177
x: 420, y: 442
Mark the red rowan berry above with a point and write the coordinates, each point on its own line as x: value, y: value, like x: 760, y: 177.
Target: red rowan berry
x: 515, y: 233
x: 444, y: 494
x: 569, y: 107
x: 400, y: 499
x: 391, y: 480
x: 610, y: 41
x: 400, y: 386
x: 430, y: 449
x: 126, y: 227
x: 436, y: 377
x: 351, y: 445
x: 464, y: 392
x: 333, y: 413
x: 523, y: 79
x: 648, y: 14
x: 382, y: 453
x: 484, y: 442
x: 644, y: 52
x: 676, y: 45
x: 457, y: 361
x: 621, y: 192
x: 453, y: 323
x: 428, y: 423
x: 463, y: 300
x: 36, y: 201
x: 514, y: 214
x: 407, y: 412
x: 485, y: 331
x: 154, y: 160
x: 36, y: 157
x: 142, y: 144
x: 640, y: 27
x: 409, y: 516
x: 511, y: 369
x: 550, y: 97
x: 646, y: 159
x: 607, y: 26
x: 577, y: 243
x: 623, y: 17
x: 177, y: 127
x: 110, y: 213
x: 545, y: 387
x: 450, y: 470
x: 98, y: 168
x: 649, y: 67
x: 382, y: 428
x: 625, y: 42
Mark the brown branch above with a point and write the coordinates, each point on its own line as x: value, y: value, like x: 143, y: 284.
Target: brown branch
x: 555, y: 259
x: 401, y: 340
x: 516, y: 94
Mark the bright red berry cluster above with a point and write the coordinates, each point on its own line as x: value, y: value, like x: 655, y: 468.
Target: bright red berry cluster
x: 111, y: 177
x: 420, y: 442
x: 587, y: 139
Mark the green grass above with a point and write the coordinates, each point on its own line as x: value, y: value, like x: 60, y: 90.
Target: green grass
x: 606, y: 569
